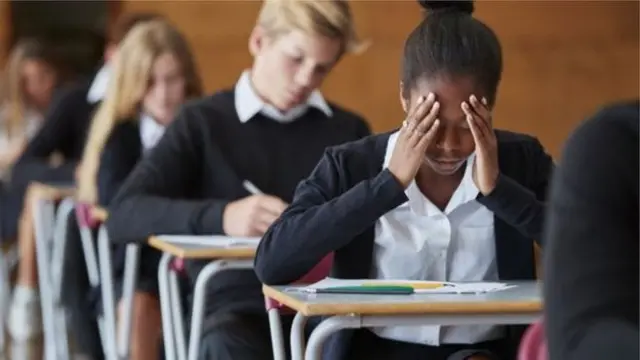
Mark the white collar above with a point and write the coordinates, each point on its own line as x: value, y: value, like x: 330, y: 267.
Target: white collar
x: 150, y: 131
x: 466, y: 191
x: 248, y: 103
x: 99, y: 85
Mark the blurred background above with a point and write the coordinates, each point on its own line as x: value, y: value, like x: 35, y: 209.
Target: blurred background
x: 563, y: 59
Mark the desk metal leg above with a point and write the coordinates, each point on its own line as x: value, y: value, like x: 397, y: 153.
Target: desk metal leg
x: 297, y: 336
x: 5, y: 269
x: 93, y: 272
x: 132, y: 257
x: 336, y: 323
x: 324, y: 330
x: 199, y: 298
x: 178, y: 318
x: 108, y: 298
x: 277, y: 338
x: 164, y: 269
x: 43, y: 217
x: 58, y: 248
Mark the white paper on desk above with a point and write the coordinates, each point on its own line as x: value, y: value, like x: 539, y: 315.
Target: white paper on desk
x: 420, y: 287
x: 211, y: 240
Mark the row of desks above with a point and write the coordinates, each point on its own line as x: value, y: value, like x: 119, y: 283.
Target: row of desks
x: 518, y: 305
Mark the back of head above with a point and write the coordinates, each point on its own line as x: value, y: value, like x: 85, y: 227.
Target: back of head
x: 126, y: 22
x: 133, y: 65
x: 132, y: 75
x: 448, y: 43
x: 330, y: 18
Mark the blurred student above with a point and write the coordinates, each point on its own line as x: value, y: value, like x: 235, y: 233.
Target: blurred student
x: 32, y: 75
x: 270, y: 130
x: 591, y: 255
x: 429, y: 201
x: 64, y: 132
x: 153, y: 75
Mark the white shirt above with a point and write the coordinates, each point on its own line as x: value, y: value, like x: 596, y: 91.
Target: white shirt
x: 248, y: 103
x: 150, y: 132
x: 99, y: 85
x: 418, y: 241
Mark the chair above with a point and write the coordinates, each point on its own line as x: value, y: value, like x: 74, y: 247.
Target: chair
x: 274, y: 308
x: 99, y: 268
x: 87, y: 225
x: 533, y: 345
x: 51, y: 209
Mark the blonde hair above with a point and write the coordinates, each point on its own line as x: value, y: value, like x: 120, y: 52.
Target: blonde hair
x: 13, y: 98
x: 127, y: 87
x: 330, y: 18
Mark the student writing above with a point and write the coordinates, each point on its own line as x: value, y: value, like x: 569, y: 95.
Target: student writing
x: 271, y: 128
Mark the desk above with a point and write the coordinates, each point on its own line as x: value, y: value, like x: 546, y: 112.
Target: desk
x: 518, y: 305
x: 50, y: 234
x: 227, y: 258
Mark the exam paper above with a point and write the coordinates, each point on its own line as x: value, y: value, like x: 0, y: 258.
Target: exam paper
x: 420, y: 287
x: 210, y: 240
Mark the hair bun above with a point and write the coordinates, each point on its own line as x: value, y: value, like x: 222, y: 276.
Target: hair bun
x: 455, y: 5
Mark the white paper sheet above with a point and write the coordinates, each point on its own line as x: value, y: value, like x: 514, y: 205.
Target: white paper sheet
x: 420, y: 287
x: 211, y: 240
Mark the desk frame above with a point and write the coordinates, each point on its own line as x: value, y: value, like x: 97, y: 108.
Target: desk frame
x: 174, y: 336
x: 50, y: 236
x: 350, y: 317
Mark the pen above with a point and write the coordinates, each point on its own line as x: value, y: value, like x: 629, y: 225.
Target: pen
x: 379, y: 290
x: 248, y: 185
x: 415, y: 286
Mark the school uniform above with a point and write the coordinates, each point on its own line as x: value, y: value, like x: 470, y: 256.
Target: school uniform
x: 592, y: 235
x: 353, y: 206
x: 11, y: 201
x: 198, y: 168
x: 128, y: 143
x: 64, y: 131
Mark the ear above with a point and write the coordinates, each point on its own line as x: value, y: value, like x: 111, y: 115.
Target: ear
x: 403, y: 98
x: 257, y: 40
x: 110, y: 51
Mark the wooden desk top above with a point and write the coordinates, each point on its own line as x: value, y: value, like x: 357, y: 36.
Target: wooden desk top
x: 99, y: 213
x: 199, y: 249
x: 525, y: 298
x: 51, y: 192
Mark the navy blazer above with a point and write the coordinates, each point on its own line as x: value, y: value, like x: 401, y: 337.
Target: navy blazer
x: 121, y: 153
x: 64, y: 130
x: 336, y: 208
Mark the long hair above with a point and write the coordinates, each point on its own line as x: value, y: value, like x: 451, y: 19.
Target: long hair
x: 13, y: 98
x: 130, y: 81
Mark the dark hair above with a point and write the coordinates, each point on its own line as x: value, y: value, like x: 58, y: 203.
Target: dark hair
x: 449, y: 42
x: 127, y: 22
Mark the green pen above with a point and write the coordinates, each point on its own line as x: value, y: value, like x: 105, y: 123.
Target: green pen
x: 369, y: 290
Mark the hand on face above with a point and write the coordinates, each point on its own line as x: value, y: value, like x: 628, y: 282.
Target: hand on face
x: 417, y: 132
x: 485, y: 170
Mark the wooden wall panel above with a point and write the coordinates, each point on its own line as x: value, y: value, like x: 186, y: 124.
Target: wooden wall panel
x: 5, y: 30
x: 563, y: 59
